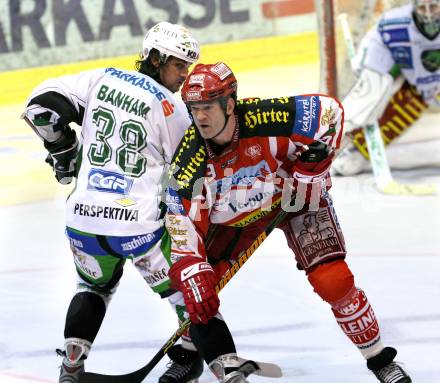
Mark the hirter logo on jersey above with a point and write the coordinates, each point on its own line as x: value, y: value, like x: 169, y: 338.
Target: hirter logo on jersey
x: 308, y: 109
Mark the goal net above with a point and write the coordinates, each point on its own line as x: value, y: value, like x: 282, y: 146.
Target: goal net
x: 337, y: 78
x: 336, y: 74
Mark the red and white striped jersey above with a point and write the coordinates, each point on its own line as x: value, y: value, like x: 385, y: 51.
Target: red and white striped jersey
x: 245, y: 182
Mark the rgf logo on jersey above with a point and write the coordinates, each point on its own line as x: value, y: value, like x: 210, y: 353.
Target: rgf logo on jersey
x: 110, y: 182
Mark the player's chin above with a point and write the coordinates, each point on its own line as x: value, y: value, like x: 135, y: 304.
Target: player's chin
x: 177, y: 86
x: 205, y: 131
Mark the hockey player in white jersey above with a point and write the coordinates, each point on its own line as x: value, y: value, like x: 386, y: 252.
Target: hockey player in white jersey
x: 398, y: 62
x: 130, y: 124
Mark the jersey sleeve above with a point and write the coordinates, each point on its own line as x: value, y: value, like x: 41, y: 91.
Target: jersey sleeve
x: 59, y: 101
x: 187, y: 223
x: 304, y: 119
x: 318, y: 119
x: 373, y: 53
x: 187, y: 200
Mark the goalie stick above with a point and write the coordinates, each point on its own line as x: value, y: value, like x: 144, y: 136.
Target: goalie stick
x: 376, y: 148
x: 264, y: 369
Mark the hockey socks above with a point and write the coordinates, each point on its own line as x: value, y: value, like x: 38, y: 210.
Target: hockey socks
x: 356, y: 318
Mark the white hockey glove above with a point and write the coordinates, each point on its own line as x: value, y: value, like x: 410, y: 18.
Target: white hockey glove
x: 62, y: 156
x: 366, y: 101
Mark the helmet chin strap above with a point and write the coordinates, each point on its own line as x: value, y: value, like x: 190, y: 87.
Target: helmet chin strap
x: 227, y: 117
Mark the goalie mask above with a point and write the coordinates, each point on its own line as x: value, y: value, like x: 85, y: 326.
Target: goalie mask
x: 427, y: 15
x: 171, y: 40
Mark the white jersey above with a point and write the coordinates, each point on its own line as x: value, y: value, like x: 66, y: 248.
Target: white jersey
x: 131, y: 126
x: 395, y: 39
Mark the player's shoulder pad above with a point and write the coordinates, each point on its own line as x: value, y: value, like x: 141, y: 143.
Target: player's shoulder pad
x: 267, y: 117
x: 188, y: 164
x: 399, y: 17
x: 138, y: 80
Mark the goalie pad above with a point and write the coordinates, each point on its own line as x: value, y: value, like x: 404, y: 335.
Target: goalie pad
x: 368, y: 98
x: 403, y: 109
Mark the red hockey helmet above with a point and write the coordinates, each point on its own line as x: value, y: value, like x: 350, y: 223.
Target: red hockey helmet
x: 209, y: 82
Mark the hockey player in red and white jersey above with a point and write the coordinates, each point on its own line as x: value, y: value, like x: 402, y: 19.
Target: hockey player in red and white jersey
x: 131, y: 123
x: 228, y: 177
x: 399, y: 78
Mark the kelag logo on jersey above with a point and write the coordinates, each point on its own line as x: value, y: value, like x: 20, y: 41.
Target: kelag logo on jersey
x: 110, y: 182
x: 307, y: 115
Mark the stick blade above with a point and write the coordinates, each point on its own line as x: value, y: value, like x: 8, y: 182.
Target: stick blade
x: 268, y: 370
x: 93, y: 377
x: 396, y: 188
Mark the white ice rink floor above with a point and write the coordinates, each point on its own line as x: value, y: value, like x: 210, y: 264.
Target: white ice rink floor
x: 394, y: 251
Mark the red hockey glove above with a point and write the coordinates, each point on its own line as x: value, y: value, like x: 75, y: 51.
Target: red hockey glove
x: 196, y: 280
x: 311, y: 176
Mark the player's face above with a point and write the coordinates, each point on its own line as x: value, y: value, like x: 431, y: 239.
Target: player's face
x: 174, y: 73
x: 428, y: 11
x: 210, y: 119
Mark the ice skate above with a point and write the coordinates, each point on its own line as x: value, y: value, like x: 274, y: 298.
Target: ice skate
x: 385, y: 369
x: 231, y: 369
x: 76, y: 351
x: 70, y: 374
x: 185, y: 366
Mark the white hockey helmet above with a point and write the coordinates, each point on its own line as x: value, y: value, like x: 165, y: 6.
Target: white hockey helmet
x: 427, y: 13
x: 171, y: 40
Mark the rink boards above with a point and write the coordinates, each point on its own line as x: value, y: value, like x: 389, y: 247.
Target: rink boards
x: 25, y: 176
x: 289, y: 63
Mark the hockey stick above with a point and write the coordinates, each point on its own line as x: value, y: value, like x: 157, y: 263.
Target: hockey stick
x: 376, y: 148
x: 267, y: 369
